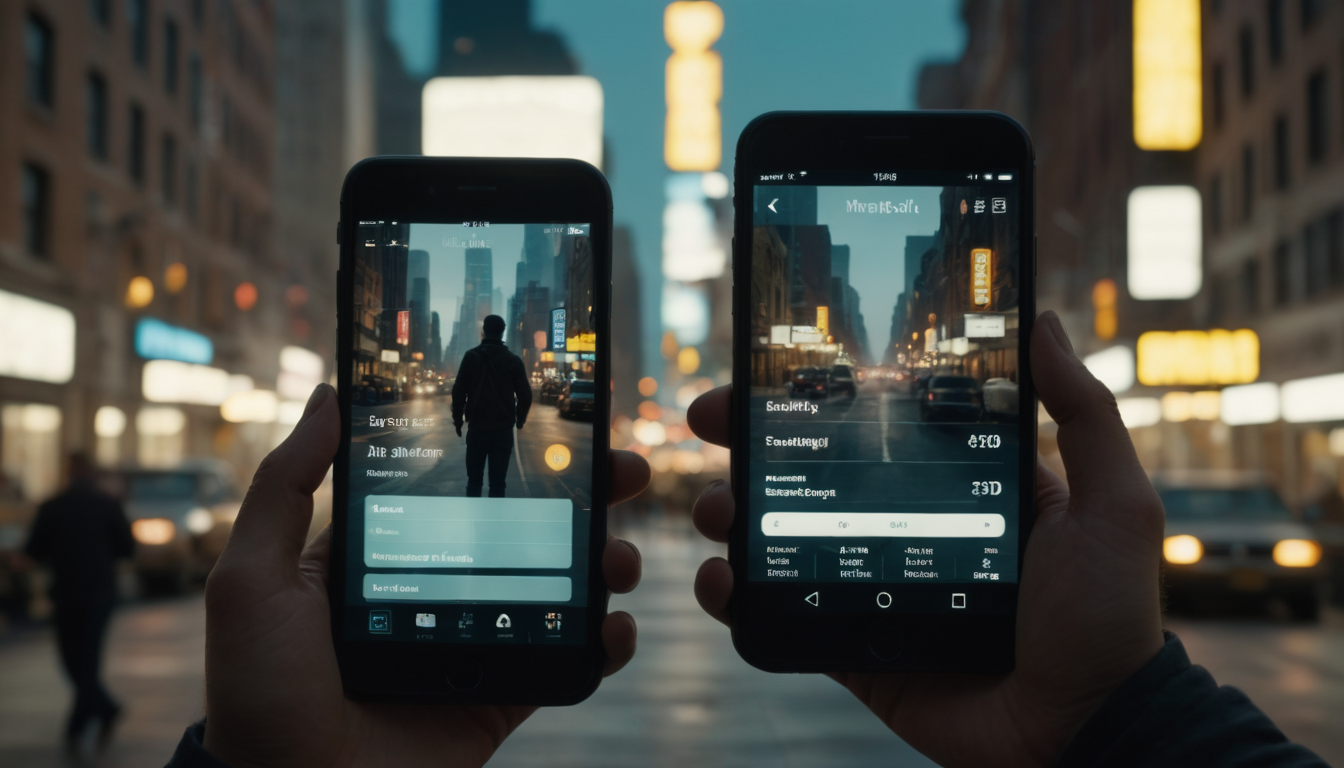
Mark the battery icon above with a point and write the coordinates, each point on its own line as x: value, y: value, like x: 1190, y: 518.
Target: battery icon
x: 1005, y: 177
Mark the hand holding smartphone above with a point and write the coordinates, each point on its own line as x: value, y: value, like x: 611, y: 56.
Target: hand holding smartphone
x: 465, y: 558
x: 883, y: 413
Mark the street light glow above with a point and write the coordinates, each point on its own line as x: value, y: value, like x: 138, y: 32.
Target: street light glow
x: 1165, y: 234
x: 1167, y: 87
x: 140, y: 292
x: 109, y: 421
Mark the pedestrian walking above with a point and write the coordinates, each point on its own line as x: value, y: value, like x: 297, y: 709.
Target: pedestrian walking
x: 491, y: 392
x: 79, y: 535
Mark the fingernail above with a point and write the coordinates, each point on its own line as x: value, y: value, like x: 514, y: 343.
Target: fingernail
x: 1056, y: 329
x: 315, y: 401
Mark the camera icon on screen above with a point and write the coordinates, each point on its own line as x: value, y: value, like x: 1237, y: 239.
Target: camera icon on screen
x: 424, y: 620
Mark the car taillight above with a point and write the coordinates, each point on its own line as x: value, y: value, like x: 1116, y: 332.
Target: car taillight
x: 818, y: 386
x: 930, y: 395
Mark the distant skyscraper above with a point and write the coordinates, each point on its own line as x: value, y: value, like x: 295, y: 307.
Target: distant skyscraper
x: 417, y: 271
x: 434, y: 354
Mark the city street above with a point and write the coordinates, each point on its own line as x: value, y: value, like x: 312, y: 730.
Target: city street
x: 686, y: 699
x: 529, y: 475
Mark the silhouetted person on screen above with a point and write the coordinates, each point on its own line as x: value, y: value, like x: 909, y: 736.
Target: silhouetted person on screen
x: 493, y: 394
x: 80, y: 534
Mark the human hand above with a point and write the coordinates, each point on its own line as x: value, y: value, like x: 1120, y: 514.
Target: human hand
x: 458, y: 427
x: 1088, y: 613
x: 273, y: 690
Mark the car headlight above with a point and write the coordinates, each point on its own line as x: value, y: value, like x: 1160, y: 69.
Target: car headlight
x: 153, y: 530
x: 1182, y: 549
x: 1297, y: 553
x: 199, y: 521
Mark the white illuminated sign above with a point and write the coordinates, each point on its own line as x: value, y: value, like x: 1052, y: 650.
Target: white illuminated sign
x: 985, y: 326
x: 1113, y: 367
x: 1139, y: 411
x: 1320, y: 398
x: 1165, y: 239
x: 515, y: 116
x: 37, y: 339
x: 169, y: 381
x: 1250, y: 404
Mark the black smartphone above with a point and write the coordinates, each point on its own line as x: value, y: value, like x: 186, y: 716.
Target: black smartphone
x: 884, y: 422
x: 469, y: 510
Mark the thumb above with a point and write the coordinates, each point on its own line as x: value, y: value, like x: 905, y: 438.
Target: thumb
x: 1099, y: 457
x: 273, y: 523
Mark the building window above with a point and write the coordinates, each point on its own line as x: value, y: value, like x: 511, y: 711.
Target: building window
x: 38, y: 49
x: 36, y: 193
x: 1218, y: 94
x: 1246, y: 45
x: 95, y: 103
x: 1283, y: 275
x: 1315, y: 248
x: 168, y: 167
x: 1250, y: 287
x: 196, y: 88
x: 1334, y: 246
x: 1282, y: 156
x: 170, y: 56
x: 1311, y: 11
x: 135, y: 155
x: 190, y: 192
x: 1247, y: 181
x: 1317, y: 118
x: 137, y: 20
x: 1275, y: 29
x: 1216, y: 203
x: 101, y: 12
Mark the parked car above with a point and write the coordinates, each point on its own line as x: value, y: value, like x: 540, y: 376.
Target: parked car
x: 951, y: 397
x: 842, y: 380
x: 1230, y: 536
x: 1001, y: 397
x: 577, y: 399
x: 180, y: 518
x: 810, y: 383
x: 550, y: 390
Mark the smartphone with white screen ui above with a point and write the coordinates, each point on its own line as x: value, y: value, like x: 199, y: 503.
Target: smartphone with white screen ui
x: 471, y: 482
x: 884, y: 422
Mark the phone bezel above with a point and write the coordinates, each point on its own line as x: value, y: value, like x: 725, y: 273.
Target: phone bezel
x: 768, y: 632
x: 425, y: 189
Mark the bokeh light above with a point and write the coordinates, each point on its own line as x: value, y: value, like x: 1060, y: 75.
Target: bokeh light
x: 140, y: 292
x: 245, y: 296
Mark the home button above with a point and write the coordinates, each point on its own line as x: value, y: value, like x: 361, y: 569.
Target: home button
x: 885, y: 642
x: 464, y: 675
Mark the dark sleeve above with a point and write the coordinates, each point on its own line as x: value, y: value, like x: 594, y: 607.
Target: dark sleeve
x: 123, y: 543
x: 190, y: 752
x: 465, y: 371
x: 1172, y: 713
x: 523, y: 389
x: 41, y: 538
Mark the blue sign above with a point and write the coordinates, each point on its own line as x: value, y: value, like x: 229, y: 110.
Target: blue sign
x: 558, y: 330
x: 157, y: 340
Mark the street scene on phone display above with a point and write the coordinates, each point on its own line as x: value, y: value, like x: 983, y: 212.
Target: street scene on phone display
x: 472, y: 434
x: 172, y: 176
x: 884, y: 398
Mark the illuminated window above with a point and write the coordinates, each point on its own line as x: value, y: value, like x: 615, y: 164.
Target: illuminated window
x: 30, y: 449
x: 1167, y: 75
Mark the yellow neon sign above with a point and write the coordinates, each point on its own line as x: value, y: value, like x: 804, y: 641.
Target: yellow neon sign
x: 1167, y: 88
x: 693, y: 139
x: 1175, y: 358
x: 583, y: 342
x: 982, y: 277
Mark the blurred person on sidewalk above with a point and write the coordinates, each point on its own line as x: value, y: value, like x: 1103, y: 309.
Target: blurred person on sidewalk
x: 79, y: 535
x: 493, y: 393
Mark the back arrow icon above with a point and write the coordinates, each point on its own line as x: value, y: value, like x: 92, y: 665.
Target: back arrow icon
x: 814, y: 598
x: 771, y: 206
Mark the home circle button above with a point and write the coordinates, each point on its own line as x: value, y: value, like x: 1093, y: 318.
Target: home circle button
x: 883, y: 599
x: 464, y: 675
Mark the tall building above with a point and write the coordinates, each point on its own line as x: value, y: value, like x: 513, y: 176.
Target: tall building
x: 417, y: 267
x: 1268, y: 166
x: 137, y: 223
x: 476, y: 301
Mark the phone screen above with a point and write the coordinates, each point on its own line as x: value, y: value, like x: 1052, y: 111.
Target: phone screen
x: 482, y: 537
x: 884, y: 403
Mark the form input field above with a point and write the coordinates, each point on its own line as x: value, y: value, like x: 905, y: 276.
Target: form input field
x: 457, y: 532
x: 949, y: 525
